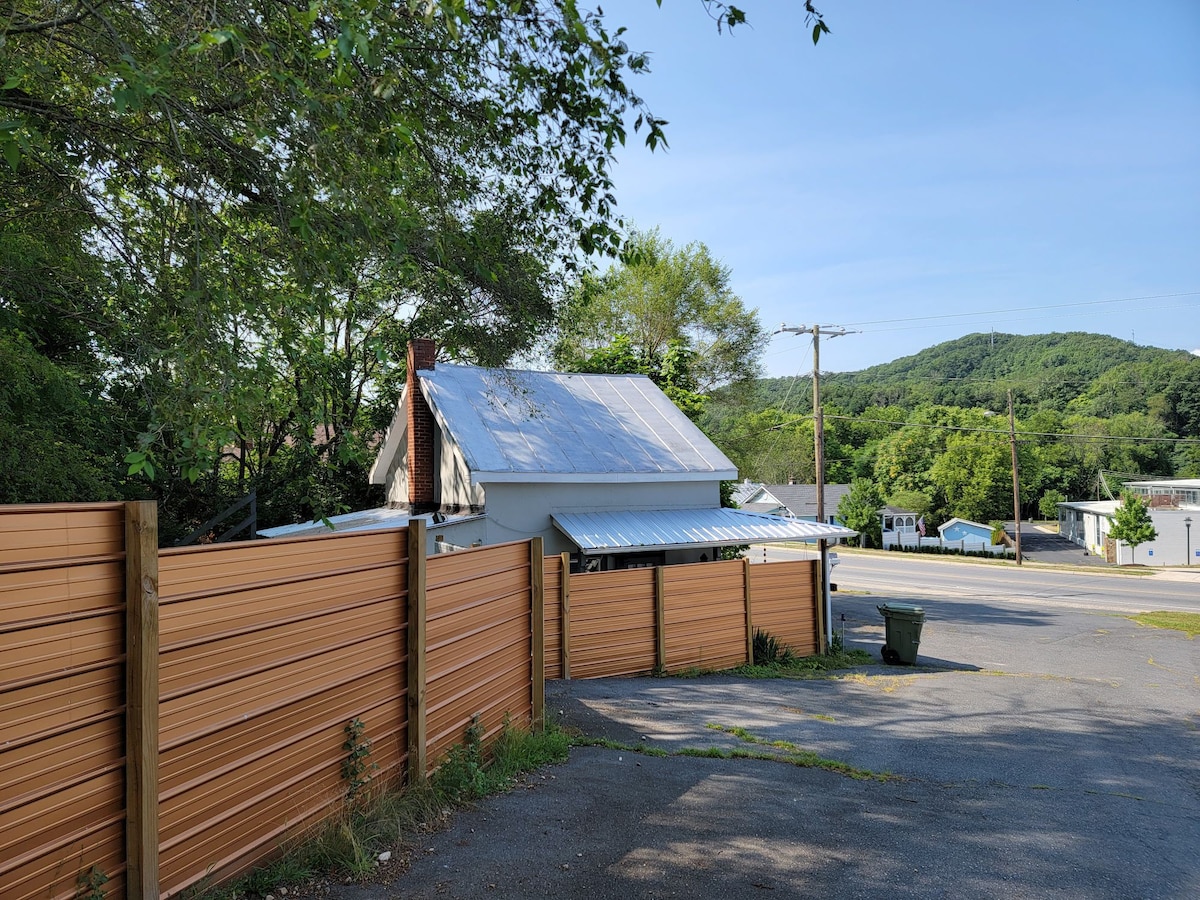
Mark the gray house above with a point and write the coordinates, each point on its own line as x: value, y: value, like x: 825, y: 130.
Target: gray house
x: 604, y: 467
x: 796, y: 501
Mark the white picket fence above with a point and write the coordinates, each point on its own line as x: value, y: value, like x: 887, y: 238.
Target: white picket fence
x: 906, y: 539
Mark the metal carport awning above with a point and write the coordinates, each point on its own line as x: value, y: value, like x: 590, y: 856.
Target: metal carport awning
x: 678, y: 529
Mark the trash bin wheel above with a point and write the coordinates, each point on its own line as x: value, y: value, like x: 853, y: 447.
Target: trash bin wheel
x: 890, y: 656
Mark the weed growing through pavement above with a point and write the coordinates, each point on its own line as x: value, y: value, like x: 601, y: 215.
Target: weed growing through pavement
x: 773, y: 751
x: 1188, y: 623
x: 786, y: 751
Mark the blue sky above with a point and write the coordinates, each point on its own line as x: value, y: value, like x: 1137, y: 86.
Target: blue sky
x: 930, y: 157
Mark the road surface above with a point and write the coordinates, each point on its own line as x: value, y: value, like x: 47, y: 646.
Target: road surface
x: 900, y: 576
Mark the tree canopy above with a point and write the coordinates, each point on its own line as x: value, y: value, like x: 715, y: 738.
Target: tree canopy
x: 667, y: 309
x: 225, y: 219
x: 859, y: 509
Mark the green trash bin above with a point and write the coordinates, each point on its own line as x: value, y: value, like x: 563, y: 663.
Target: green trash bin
x: 902, y: 627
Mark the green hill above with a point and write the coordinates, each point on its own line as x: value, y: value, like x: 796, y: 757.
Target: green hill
x: 933, y: 424
x: 1089, y: 374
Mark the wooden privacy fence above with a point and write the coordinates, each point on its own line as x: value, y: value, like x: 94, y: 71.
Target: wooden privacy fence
x: 171, y: 715
x: 674, y: 618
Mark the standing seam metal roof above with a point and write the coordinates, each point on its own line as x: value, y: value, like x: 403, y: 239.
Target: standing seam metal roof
x: 514, y: 423
x: 665, y: 529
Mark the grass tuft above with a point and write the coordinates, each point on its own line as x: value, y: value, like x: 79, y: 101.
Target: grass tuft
x: 1188, y: 623
x: 807, y: 666
x: 795, y: 755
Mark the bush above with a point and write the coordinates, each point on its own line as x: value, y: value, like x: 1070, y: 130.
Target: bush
x: 770, y: 651
x: 954, y: 551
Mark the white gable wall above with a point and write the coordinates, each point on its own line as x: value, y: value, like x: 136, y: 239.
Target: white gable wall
x: 517, y: 510
x: 452, y: 489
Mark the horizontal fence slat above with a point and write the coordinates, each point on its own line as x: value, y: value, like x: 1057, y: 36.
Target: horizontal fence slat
x: 267, y: 650
x: 62, y: 742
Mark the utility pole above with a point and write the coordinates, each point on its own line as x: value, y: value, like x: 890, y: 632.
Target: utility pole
x: 1012, y: 442
x: 819, y: 453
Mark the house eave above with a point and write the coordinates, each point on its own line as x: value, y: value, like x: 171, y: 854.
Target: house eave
x: 599, y: 477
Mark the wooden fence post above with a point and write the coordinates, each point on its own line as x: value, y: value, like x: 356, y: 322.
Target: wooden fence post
x: 537, y: 583
x: 141, y: 699
x: 566, y: 616
x: 749, y: 617
x: 660, y: 620
x: 416, y: 650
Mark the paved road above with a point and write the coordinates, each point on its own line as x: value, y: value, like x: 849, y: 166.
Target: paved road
x: 909, y: 576
x: 1041, y: 750
x: 1038, y: 545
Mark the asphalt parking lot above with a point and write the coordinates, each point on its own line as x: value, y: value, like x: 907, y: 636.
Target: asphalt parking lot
x: 1035, y: 752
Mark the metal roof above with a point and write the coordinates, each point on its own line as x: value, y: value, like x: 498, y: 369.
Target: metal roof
x: 1187, y: 483
x: 511, y: 425
x: 1099, y: 507
x: 673, y: 529
x: 744, y: 491
x: 362, y: 520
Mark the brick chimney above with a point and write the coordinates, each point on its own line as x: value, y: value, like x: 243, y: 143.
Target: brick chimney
x: 421, y: 430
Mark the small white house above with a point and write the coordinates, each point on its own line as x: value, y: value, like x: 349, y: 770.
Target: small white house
x: 604, y: 467
x: 1174, y: 506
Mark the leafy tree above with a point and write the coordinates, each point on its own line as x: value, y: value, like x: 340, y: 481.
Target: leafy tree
x: 974, y: 474
x: 658, y: 297
x: 1132, y: 523
x: 54, y: 446
x: 767, y: 446
x: 237, y: 213
x: 916, y: 501
x: 859, y: 509
x: 1048, y: 505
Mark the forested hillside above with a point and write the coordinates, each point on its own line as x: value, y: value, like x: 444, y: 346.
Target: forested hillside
x: 931, y: 430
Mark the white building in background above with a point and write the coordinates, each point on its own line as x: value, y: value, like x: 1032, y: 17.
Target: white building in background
x: 1174, y: 510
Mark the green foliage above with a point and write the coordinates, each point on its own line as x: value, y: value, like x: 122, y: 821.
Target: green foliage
x: 470, y: 771
x: 998, y: 532
x: 934, y: 550
x: 1132, y: 523
x: 90, y: 885
x: 770, y: 651
x: 55, y: 444
x: 928, y: 430
x: 663, y: 311
x: 916, y: 501
x: 231, y: 218
x: 357, y: 766
x: 1048, y: 505
x: 859, y: 509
